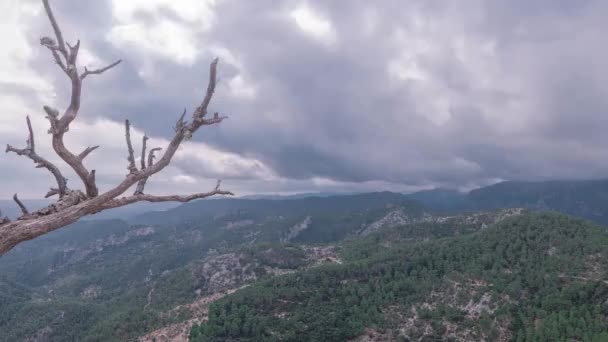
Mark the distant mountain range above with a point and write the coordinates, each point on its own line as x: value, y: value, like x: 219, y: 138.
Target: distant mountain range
x: 117, y: 279
x: 296, y: 196
x: 585, y: 198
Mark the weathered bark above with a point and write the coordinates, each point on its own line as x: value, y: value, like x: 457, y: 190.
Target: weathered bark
x: 74, y: 204
x: 30, y: 152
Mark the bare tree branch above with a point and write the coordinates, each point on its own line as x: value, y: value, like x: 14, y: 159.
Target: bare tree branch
x: 21, y: 205
x: 30, y: 152
x: 180, y: 122
x: 74, y: 204
x: 86, y: 151
x: 52, y: 192
x: 201, y: 111
x: 98, y: 71
x: 73, y: 56
x: 58, y: 35
x: 142, y: 182
x: 52, y: 46
x: 60, y: 125
x: 131, y: 158
x: 143, y: 152
x: 3, y: 219
x: 151, y: 155
x: 120, y: 202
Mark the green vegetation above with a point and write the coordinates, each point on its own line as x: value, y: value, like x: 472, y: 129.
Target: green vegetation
x: 114, y: 280
x: 543, y: 275
x: 582, y: 198
x: 284, y: 256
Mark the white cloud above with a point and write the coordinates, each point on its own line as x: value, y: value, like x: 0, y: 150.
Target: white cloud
x: 240, y: 88
x: 165, y: 29
x: 205, y: 161
x: 17, y: 52
x: 313, y: 24
x: 423, y: 92
x: 184, y: 179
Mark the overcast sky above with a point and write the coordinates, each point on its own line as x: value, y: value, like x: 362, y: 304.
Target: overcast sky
x: 322, y: 95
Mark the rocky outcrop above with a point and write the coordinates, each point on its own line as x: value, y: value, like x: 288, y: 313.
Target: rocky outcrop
x: 297, y: 229
x: 223, y: 274
x: 178, y: 332
x: 470, y: 297
x: 397, y: 217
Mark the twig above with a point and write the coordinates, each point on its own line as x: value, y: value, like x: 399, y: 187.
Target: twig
x: 131, y: 158
x: 21, y: 205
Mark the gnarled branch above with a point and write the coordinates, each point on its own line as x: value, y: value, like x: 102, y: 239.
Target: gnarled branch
x: 86, y: 151
x: 131, y: 157
x: 142, y: 182
x: 75, y: 204
x: 21, y: 205
x: 3, y: 219
x: 98, y: 71
x: 60, y: 42
x: 120, y: 202
x: 60, y: 125
x: 143, y: 151
x: 30, y: 152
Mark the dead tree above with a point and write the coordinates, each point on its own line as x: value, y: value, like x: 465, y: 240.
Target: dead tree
x: 72, y: 204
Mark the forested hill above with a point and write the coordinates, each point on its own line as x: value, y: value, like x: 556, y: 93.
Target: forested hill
x: 155, y: 275
x: 114, y: 279
x: 585, y: 198
x: 334, y: 206
x: 536, y: 277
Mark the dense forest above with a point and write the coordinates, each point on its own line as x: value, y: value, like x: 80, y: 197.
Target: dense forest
x: 537, y: 277
x: 376, y: 266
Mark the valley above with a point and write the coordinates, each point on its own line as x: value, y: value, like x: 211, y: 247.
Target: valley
x: 363, y: 267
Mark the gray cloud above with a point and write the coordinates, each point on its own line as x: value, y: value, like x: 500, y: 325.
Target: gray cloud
x: 482, y: 91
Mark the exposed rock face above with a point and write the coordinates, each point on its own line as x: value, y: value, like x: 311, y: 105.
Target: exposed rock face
x: 236, y: 224
x: 484, y: 218
x: 224, y: 274
x: 77, y: 253
x: 322, y: 254
x: 471, y: 297
x: 179, y: 332
x: 297, y: 229
x: 43, y: 335
x: 225, y: 271
x: 397, y: 217
x: 91, y: 292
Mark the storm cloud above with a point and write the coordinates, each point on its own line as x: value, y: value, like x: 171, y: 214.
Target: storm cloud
x: 323, y: 95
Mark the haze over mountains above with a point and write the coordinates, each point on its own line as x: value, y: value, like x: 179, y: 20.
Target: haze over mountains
x: 584, y: 198
x: 157, y: 274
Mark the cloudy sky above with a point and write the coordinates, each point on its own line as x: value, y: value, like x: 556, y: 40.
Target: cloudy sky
x: 322, y: 95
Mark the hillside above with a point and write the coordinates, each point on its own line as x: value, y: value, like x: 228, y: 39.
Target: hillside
x: 112, y: 269
x: 585, y: 198
x: 153, y: 276
x: 534, y: 277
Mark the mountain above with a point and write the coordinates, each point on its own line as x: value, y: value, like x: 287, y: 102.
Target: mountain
x: 125, y: 276
x: 312, y: 219
x: 441, y: 199
x: 153, y: 276
x: 532, y: 277
x: 296, y: 196
x: 585, y: 198
x: 588, y: 198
